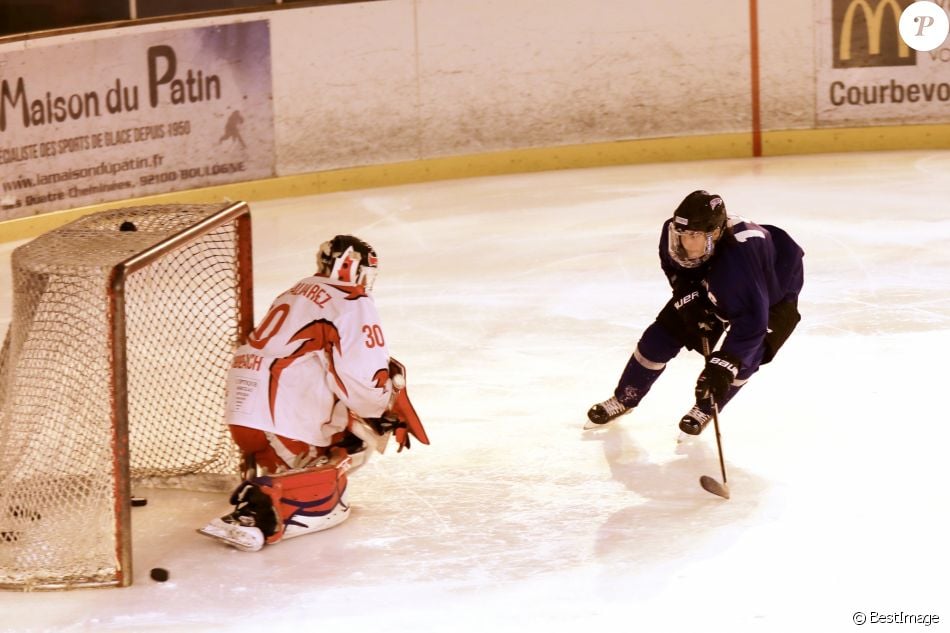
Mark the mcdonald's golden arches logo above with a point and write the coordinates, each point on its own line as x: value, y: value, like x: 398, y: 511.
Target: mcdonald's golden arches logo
x: 866, y: 33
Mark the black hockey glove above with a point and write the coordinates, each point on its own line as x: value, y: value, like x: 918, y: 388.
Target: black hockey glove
x: 695, y: 310
x: 721, y: 369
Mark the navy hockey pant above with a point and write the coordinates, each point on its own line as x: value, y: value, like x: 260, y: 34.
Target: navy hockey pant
x: 665, y: 337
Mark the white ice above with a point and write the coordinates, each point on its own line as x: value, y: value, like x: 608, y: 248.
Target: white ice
x: 515, y: 302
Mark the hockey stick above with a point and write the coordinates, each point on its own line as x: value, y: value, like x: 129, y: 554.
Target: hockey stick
x: 708, y: 483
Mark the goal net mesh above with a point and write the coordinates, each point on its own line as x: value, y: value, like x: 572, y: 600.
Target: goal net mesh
x: 63, y: 478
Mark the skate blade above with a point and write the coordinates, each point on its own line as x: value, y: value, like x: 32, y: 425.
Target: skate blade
x: 711, y: 485
x: 588, y: 426
x: 233, y: 536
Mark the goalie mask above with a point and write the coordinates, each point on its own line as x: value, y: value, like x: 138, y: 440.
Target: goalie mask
x: 349, y: 260
x: 697, y: 225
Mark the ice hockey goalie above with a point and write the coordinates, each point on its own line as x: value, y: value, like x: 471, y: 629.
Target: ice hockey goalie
x: 311, y: 395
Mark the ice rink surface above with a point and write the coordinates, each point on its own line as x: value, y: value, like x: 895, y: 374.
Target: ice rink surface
x: 515, y: 302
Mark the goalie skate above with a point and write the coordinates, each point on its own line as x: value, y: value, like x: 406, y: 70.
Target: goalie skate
x: 243, y: 537
x: 253, y: 519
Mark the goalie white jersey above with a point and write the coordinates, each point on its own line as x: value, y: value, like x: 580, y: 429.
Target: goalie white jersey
x: 320, y: 343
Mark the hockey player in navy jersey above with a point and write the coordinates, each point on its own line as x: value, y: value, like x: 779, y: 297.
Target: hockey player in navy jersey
x: 728, y: 275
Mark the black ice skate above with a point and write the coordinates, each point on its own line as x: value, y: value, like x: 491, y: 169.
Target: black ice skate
x: 604, y: 412
x: 695, y: 421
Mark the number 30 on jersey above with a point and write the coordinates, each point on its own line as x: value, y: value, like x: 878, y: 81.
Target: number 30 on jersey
x: 374, y: 336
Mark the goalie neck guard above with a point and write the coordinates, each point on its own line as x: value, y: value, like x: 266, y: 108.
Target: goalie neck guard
x: 700, y: 216
x: 349, y: 260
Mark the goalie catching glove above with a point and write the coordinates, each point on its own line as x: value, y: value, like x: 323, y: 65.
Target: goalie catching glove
x: 400, y: 418
x: 721, y: 369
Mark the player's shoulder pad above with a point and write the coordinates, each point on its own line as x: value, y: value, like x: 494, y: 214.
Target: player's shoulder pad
x: 743, y: 230
x: 738, y: 265
x: 784, y: 243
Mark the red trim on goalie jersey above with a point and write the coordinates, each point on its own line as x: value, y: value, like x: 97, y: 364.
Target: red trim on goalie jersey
x: 315, y: 336
x: 381, y: 377
x: 352, y: 292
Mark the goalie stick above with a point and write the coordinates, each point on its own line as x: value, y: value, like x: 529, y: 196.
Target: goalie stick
x: 708, y: 483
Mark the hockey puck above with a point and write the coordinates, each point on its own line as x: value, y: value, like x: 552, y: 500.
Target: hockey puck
x: 159, y: 574
x: 139, y: 501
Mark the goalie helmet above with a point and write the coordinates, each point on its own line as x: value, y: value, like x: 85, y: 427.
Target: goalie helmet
x: 349, y: 260
x: 700, y: 220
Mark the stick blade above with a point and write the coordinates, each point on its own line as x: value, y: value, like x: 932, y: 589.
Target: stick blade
x: 711, y: 485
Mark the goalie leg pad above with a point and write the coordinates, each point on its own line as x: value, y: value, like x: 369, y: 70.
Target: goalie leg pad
x: 308, y: 500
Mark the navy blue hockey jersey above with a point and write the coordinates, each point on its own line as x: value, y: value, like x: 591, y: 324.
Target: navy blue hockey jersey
x: 753, y: 268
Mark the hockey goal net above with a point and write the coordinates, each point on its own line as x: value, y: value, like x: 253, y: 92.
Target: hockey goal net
x: 113, y: 370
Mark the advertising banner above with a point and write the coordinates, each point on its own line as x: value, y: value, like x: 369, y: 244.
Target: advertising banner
x: 868, y: 75
x: 91, y: 122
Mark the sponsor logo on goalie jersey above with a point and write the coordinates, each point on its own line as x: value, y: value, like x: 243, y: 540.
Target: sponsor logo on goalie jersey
x: 247, y: 361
